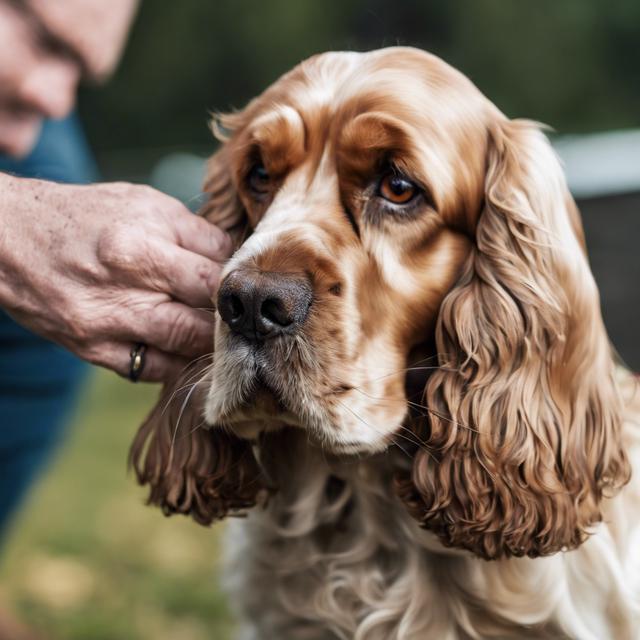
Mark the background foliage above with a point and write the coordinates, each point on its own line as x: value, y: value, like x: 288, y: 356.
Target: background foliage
x: 89, y: 561
x: 572, y: 64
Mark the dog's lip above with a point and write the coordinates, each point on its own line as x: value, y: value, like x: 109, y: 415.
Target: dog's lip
x: 262, y: 387
x: 264, y: 407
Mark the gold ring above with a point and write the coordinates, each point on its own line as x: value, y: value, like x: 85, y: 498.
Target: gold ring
x: 136, y: 362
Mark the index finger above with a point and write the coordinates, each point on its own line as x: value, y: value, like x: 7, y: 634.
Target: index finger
x: 199, y: 236
x: 185, y: 276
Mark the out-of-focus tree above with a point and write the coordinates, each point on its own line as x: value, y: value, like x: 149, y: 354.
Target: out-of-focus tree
x: 574, y: 64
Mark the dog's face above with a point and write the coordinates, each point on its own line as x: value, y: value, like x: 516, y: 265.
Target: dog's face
x: 360, y: 176
x: 388, y: 215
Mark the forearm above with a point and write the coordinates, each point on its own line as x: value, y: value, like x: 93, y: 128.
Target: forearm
x: 15, y: 195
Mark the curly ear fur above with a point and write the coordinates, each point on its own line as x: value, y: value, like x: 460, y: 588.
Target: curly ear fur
x: 523, y: 439
x: 191, y: 469
x: 223, y: 206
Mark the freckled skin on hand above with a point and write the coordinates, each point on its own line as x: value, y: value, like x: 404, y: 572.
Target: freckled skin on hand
x: 100, y: 268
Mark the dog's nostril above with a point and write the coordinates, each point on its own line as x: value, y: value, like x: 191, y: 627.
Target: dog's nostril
x: 272, y: 310
x: 261, y: 305
x: 236, y: 307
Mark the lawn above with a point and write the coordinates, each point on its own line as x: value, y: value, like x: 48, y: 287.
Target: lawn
x: 87, y: 560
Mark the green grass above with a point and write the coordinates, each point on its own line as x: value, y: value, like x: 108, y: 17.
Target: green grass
x: 87, y: 560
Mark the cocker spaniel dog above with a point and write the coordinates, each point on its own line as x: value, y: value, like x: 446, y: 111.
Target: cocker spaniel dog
x: 412, y: 395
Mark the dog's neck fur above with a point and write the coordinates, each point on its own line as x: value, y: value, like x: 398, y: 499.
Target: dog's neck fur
x: 335, y: 555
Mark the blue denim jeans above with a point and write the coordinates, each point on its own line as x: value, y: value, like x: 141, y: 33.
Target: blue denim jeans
x: 39, y: 381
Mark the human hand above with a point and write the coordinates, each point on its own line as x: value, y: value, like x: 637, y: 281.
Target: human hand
x: 99, y: 268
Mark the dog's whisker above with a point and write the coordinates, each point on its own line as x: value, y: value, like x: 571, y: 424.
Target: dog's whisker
x: 374, y: 429
x: 185, y: 385
x: 429, y: 410
x: 185, y: 402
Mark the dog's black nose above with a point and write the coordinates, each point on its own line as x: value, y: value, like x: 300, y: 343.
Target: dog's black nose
x: 261, y: 305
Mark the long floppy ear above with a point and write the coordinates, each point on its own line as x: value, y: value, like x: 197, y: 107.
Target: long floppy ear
x: 223, y: 206
x: 190, y: 468
x: 523, y: 437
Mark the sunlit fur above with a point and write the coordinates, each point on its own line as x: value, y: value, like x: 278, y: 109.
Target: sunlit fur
x: 447, y: 446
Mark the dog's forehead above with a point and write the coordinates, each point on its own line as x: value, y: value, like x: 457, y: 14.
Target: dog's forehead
x: 315, y: 102
x: 305, y: 116
x: 334, y: 79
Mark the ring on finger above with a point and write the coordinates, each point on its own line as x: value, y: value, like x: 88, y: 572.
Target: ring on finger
x: 137, y: 361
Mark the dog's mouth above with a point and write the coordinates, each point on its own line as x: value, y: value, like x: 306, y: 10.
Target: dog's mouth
x: 262, y: 405
x: 266, y: 397
x: 257, y: 388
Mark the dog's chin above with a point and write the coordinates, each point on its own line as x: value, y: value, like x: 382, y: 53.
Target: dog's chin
x: 265, y: 412
x: 248, y: 398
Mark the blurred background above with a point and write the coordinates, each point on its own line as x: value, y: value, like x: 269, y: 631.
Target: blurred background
x: 86, y: 559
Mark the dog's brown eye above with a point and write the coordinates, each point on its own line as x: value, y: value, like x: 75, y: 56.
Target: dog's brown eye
x: 258, y: 179
x: 396, y: 188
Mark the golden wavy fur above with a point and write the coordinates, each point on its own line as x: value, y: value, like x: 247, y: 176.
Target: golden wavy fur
x: 451, y: 397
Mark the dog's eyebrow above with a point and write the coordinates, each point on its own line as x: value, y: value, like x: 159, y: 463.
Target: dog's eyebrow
x: 280, y: 136
x: 365, y: 154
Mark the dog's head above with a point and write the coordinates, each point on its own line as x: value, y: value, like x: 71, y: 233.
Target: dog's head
x: 394, y: 226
